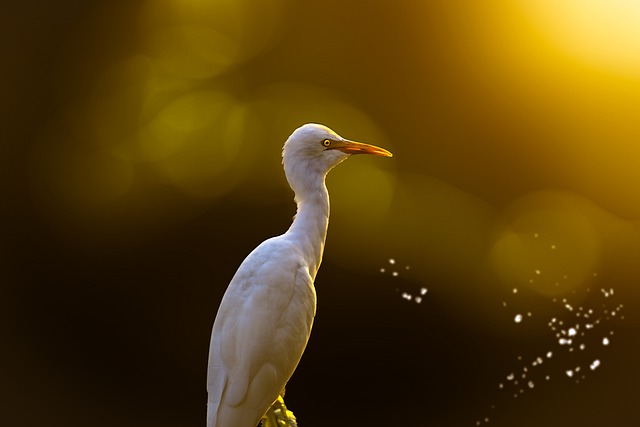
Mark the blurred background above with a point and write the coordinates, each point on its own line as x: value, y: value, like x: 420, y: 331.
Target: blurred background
x: 487, y: 274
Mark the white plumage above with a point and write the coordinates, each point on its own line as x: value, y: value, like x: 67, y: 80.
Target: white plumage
x: 265, y: 317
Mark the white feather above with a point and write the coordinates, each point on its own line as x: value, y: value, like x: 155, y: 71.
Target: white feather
x: 265, y: 317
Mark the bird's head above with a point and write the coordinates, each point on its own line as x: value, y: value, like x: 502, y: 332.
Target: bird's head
x: 314, y: 149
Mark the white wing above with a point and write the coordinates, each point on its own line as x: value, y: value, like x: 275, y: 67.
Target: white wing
x: 259, y: 335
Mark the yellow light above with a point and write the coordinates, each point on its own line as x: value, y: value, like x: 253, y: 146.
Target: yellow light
x: 365, y: 192
x: 549, y: 243
x: 603, y: 32
x: 194, y: 142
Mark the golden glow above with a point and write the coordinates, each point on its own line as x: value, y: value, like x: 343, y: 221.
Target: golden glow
x: 603, y: 32
x: 363, y: 193
x: 188, y: 119
x: 243, y: 28
x: 191, y: 51
x: 203, y: 167
x: 549, y: 243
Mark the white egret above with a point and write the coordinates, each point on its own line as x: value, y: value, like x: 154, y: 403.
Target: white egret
x: 265, y: 317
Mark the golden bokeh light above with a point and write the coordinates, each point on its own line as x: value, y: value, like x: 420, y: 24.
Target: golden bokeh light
x: 199, y: 38
x: 191, y: 51
x: 447, y: 226
x: 154, y: 115
x: 431, y: 225
x: 363, y: 193
x: 186, y: 120
x: 531, y: 81
x: 604, y: 33
x: 195, y: 141
x: 549, y: 242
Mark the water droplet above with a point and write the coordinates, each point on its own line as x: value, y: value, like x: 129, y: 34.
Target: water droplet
x: 594, y: 364
x: 423, y: 291
x: 392, y: 261
x: 382, y: 270
x: 569, y: 373
x: 518, y: 318
x: 531, y: 384
x: 605, y: 341
x: 418, y: 300
x: 572, y: 332
x: 515, y: 290
x: 394, y: 274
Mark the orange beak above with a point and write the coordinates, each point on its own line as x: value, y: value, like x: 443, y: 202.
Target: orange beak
x: 352, y: 147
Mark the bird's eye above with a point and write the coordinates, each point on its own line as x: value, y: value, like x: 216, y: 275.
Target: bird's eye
x: 326, y: 142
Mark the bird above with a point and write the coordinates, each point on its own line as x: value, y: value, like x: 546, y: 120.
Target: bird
x: 265, y: 317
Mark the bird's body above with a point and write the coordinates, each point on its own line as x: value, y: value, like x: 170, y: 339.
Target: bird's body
x: 265, y: 317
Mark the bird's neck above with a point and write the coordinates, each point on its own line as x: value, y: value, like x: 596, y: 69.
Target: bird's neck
x: 309, y: 228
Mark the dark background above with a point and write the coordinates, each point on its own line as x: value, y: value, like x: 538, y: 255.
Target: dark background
x: 141, y: 162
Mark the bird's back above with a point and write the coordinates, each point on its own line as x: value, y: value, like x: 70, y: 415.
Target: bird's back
x: 259, y: 334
